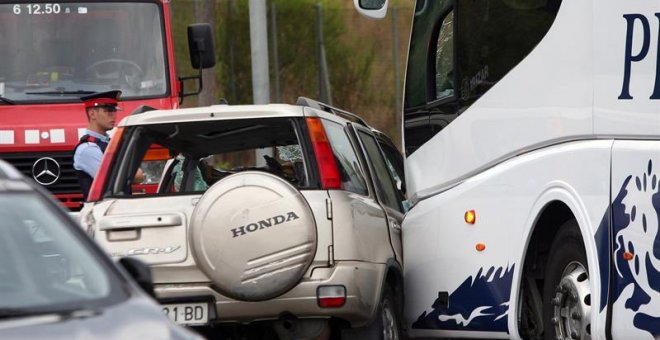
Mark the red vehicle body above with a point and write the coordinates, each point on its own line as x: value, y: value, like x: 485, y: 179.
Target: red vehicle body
x: 53, y: 53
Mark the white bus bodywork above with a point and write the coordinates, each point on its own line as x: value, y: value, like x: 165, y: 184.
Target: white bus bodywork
x: 571, y: 132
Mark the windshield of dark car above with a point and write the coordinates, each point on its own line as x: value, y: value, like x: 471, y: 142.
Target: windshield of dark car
x: 56, y: 52
x: 44, y: 265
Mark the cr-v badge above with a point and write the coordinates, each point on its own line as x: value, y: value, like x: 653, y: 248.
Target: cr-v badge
x: 152, y: 250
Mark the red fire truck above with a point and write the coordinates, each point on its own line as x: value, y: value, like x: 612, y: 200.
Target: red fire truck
x: 52, y: 53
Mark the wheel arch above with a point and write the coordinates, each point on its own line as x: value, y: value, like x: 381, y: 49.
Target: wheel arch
x: 544, y: 230
x: 394, y: 278
x: 558, y: 204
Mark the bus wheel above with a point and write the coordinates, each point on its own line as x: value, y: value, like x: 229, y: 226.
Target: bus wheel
x: 566, y: 292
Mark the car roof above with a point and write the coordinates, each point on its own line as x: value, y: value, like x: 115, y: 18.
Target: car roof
x: 146, y: 116
x: 214, y: 112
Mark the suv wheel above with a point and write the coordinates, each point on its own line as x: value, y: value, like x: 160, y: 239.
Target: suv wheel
x: 386, y: 325
x: 254, y: 235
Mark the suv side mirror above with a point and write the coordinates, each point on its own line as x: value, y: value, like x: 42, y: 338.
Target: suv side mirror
x: 140, y: 272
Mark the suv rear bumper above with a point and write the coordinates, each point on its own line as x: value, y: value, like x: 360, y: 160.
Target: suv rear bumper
x: 363, y: 282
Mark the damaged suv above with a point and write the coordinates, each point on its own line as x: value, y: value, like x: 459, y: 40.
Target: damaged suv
x: 283, y: 217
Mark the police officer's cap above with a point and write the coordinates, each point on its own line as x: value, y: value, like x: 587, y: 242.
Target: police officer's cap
x: 102, y: 99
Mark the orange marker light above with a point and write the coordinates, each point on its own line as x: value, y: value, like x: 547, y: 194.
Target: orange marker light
x: 159, y: 154
x: 470, y: 217
x: 480, y: 247
x: 628, y: 256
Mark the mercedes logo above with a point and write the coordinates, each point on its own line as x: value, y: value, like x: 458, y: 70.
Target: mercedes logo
x: 46, y: 171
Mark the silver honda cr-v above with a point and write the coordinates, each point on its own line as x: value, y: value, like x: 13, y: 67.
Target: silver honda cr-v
x: 285, y: 218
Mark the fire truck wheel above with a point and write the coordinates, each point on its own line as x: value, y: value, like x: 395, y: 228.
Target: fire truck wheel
x: 567, y: 295
x: 254, y: 235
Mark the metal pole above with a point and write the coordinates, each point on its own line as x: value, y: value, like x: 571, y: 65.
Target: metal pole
x: 273, y: 39
x: 324, y: 78
x: 398, y: 112
x: 259, y: 52
x: 395, y: 60
x: 205, y: 12
x: 230, y: 48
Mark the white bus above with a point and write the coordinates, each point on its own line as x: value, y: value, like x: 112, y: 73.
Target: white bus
x: 532, y: 138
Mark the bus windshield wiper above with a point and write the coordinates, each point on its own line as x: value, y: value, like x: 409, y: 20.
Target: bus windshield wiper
x: 7, y: 101
x: 62, y: 92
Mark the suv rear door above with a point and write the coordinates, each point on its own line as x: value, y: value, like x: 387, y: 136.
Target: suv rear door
x: 155, y: 226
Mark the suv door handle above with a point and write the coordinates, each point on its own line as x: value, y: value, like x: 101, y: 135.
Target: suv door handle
x: 144, y: 221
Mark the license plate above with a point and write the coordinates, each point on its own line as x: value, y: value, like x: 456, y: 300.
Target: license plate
x: 187, y: 313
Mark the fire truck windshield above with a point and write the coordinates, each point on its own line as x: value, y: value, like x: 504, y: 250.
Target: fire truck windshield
x: 56, y: 52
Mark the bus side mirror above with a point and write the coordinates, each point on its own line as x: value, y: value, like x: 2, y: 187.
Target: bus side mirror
x: 375, y: 9
x: 200, y: 46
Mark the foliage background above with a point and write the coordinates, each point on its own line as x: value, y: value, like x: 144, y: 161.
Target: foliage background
x: 359, y: 53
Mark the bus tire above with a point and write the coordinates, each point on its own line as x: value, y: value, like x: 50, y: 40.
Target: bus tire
x: 566, y: 291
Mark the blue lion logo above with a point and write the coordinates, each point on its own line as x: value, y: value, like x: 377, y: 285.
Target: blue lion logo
x: 635, y: 228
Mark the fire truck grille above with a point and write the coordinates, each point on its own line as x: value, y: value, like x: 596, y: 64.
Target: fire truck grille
x: 54, y: 170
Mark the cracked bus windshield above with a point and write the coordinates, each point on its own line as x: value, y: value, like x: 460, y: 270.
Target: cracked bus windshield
x: 60, y: 51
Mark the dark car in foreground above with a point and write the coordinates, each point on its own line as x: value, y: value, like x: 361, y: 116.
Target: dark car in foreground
x: 56, y: 283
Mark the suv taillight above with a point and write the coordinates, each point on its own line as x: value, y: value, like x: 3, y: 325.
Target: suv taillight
x: 96, y: 191
x: 325, y: 159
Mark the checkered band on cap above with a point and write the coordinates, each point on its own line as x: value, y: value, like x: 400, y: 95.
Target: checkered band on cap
x: 110, y: 98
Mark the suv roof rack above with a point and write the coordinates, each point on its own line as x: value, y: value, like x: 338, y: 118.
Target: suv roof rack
x: 142, y: 109
x: 304, y: 101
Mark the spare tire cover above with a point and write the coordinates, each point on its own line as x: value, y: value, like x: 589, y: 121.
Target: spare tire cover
x: 254, y: 235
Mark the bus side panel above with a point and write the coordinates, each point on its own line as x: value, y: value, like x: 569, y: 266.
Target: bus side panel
x: 635, y: 294
x: 455, y: 290
x: 627, y: 69
x: 547, y: 97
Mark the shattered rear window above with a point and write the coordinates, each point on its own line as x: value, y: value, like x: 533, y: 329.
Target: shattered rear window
x: 195, y: 155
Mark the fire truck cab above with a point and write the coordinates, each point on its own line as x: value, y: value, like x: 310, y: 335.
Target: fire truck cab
x: 55, y: 52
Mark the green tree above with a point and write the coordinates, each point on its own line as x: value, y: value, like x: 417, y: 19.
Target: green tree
x: 358, y: 52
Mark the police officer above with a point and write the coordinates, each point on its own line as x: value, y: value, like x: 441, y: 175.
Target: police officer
x: 101, y: 109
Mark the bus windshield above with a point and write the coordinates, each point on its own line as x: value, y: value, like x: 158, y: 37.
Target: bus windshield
x: 56, y: 52
x: 461, y: 49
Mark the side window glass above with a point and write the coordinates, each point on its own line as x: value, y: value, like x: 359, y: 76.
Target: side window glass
x: 495, y: 37
x: 193, y: 167
x: 382, y: 176
x: 45, y: 257
x: 394, y: 162
x: 352, y: 176
x: 461, y: 49
x: 444, y: 59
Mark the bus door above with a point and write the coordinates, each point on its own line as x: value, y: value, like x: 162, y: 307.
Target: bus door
x: 627, y: 107
x: 635, y: 237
